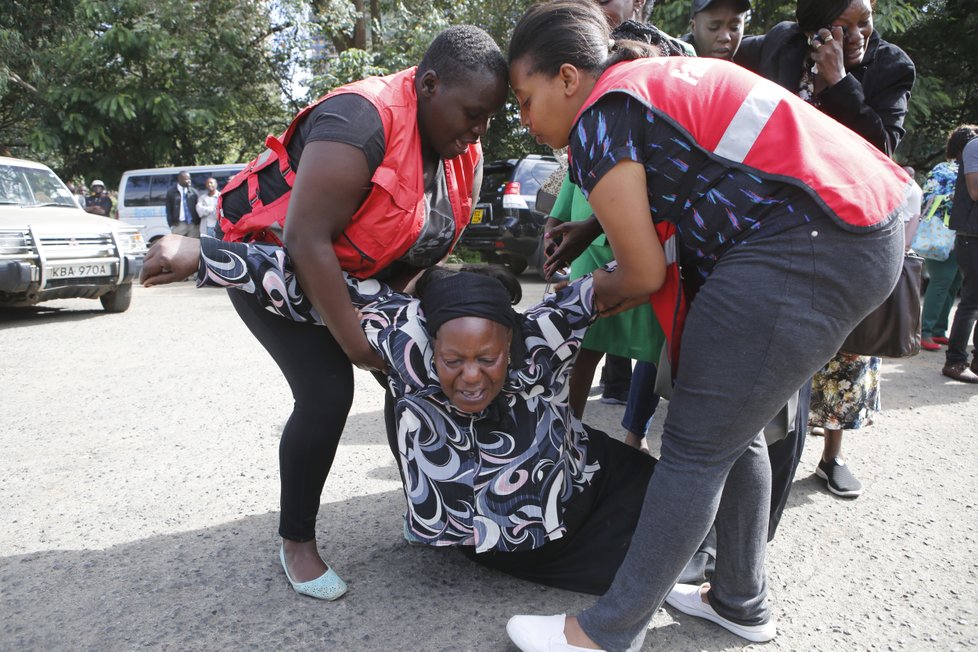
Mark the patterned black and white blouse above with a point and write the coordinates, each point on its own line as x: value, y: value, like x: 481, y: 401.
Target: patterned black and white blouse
x: 497, y: 480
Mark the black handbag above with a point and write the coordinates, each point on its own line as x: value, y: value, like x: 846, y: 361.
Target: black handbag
x: 893, y: 329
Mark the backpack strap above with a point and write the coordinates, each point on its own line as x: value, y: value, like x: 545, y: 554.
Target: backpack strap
x: 284, y: 164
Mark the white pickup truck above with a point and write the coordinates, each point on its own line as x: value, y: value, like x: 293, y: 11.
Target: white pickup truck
x: 52, y: 249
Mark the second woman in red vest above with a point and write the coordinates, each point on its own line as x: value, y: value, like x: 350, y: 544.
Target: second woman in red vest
x: 772, y: 210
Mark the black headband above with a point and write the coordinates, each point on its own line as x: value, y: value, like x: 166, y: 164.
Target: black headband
x: 467, y: 295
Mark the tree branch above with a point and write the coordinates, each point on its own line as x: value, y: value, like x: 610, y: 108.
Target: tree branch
x: 14, y: 77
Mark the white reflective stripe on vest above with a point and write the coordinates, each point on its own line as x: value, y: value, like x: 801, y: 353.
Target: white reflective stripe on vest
x: 749, y: 121
x: 669, y: 249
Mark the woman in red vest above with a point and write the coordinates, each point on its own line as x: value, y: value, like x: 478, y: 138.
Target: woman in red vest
x: 788, y: 232
x: 376, y: 179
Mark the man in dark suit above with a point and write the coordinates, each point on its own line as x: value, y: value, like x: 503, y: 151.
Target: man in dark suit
x: 181, y: 208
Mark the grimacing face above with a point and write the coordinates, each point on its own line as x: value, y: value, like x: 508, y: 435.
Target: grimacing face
x: 453, y: 116
x: 471, y: 358
x: 857, y: 22
x: 717, y: 31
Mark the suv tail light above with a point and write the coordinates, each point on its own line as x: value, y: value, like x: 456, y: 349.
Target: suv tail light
x: 512, y: 197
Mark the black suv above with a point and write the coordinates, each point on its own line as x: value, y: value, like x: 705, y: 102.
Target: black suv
x: 504, y: 227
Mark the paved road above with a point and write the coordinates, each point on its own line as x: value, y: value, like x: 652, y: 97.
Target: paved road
x: 139, y: 490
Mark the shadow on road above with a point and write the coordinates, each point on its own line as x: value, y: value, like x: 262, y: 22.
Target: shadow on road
x: 41, y: 314
x: 223, y: 587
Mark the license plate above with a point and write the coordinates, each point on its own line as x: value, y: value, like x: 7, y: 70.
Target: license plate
x: 477, y: 215
x: 79, y: 270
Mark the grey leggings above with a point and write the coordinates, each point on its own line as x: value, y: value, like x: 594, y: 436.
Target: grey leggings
x: 772, y: 312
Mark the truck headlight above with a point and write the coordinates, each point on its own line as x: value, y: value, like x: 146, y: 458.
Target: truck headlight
x: 13, y: 243
x: 131, y: 242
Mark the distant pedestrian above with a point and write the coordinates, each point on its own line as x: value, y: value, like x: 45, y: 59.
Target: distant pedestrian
x: 181, y: 208
x: 962, y: 146
x: 80, y: 193
x: 207, y: 208
x: 98, y: 203
x: 73, y: 188
x: 944, y: 275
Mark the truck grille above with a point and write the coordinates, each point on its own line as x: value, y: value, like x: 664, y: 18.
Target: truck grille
x: 85, y: 246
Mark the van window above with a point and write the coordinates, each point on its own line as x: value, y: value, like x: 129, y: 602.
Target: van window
x: 161, y: 183
x: 199, y: 179
x: 150, y: 189
x: 137, y: 191
x: 223, y: 177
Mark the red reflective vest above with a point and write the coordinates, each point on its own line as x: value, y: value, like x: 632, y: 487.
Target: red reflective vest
x: 742, y: 120
x: 393, y: 214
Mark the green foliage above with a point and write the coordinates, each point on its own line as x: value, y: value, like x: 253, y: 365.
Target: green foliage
x: 120, y: 84
x: 95, y: 87
x: 894, y: 17
x: 461, y: 255
x: 943, y: 46
x: 348, y: 66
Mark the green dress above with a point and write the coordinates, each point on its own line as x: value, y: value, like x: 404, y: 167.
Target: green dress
x: 631, y: 334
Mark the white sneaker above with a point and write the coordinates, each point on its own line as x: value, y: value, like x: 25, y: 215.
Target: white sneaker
x: 541, y: 634
x: 686, y: 598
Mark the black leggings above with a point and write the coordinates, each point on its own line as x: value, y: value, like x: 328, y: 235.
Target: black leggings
x: 321, y: 378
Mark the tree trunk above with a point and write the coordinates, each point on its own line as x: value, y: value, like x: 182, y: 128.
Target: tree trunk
x: 360, y: 28
x: 375, y: 19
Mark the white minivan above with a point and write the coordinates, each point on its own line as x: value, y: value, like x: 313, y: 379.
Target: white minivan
x: 142, y: 193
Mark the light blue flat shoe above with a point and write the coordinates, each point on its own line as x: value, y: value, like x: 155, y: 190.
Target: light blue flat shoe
x: 327, y: 586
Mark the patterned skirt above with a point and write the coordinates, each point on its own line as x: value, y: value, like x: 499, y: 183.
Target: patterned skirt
x: 846, y: 393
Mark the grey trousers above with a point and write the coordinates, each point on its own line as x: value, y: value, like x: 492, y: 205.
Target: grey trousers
x: 772, y: 313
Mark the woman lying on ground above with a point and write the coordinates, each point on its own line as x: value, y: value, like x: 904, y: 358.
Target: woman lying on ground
x: 492, y: 459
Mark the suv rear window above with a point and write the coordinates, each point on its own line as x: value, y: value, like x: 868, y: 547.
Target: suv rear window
x: 532, y: 174
x: 493, y: 181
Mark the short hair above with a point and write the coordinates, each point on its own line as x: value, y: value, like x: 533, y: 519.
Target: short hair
x: 461, y: 49
x: 958, y: 138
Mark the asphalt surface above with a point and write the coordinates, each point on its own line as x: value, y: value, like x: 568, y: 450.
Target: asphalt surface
x: 139, y: 507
